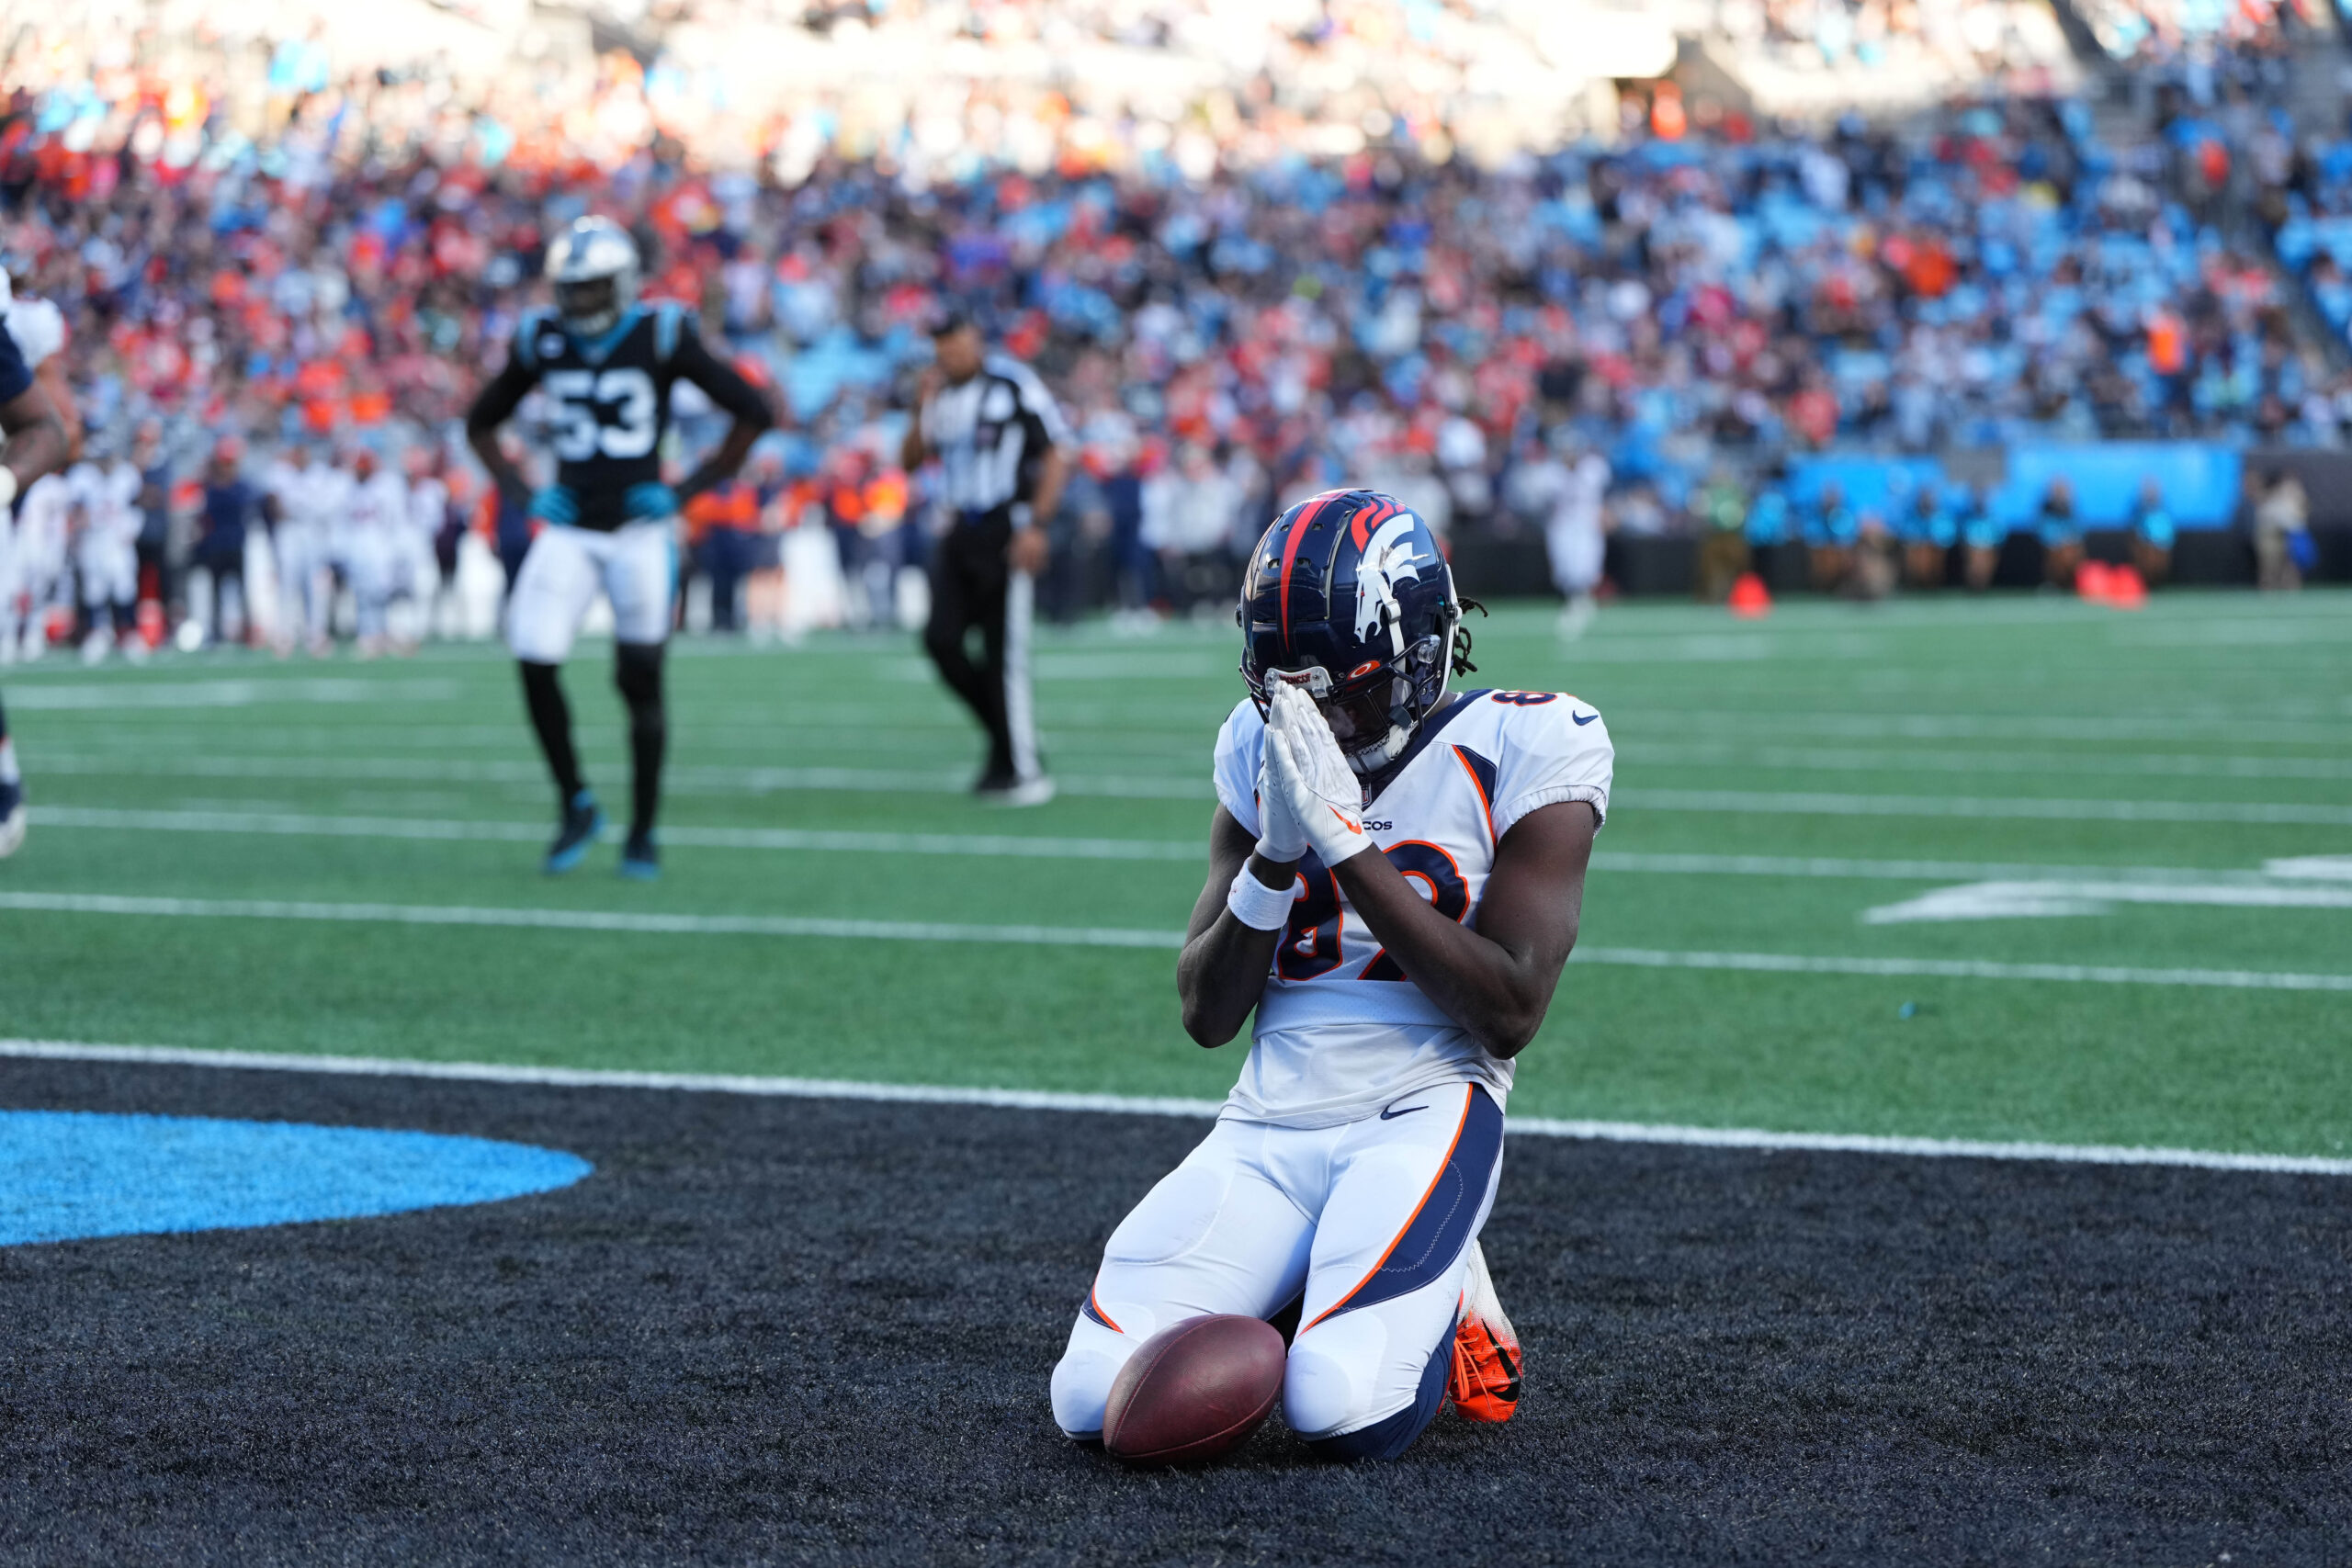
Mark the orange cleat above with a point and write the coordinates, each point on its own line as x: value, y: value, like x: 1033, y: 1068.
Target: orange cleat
x: 1485, y: 1381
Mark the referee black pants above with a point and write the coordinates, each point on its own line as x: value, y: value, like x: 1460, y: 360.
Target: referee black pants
x: 971, y: 587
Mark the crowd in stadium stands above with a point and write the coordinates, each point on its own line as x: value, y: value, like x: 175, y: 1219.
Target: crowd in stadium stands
x: 1678, y: 313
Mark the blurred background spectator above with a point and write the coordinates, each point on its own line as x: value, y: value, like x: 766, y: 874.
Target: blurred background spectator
x: 1257, y: 249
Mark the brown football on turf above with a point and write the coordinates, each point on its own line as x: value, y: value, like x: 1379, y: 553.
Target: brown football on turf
x: 1194, y: 1391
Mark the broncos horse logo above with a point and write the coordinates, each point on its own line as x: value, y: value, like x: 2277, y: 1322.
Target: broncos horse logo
x: 1389, y: 553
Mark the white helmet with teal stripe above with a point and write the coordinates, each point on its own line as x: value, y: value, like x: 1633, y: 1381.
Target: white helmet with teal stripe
x: 594, y: 268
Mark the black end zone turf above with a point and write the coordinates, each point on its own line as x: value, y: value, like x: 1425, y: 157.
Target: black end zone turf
x: 793, y: 1331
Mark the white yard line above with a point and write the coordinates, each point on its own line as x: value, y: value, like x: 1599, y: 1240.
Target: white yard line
x: 61, y: 695
x: 2052, y: 897
x: 657, y: 924
x: 1138, y: 1105
x: 304, y: 824
x: 628, y: 921
x: 1808, y: 759
x: 1964, y: 969
x: 690, y: 779
x: 2172, y: 725
x: 227, y: 818
x: 2028, y: 808
x: 695, y: 779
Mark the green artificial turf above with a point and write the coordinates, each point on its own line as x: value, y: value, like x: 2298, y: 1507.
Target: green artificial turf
x: 1868, y: 734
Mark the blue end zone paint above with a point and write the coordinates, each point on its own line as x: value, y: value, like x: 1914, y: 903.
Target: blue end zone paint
x: 66, y: 1175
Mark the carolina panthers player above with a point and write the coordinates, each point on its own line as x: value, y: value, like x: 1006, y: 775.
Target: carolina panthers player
x: 33, y: 442
x: 605, y: 365
x: 1395, y: 883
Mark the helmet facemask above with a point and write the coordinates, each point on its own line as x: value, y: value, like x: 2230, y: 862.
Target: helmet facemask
x: 588, y: 305
x: 1375, y: 715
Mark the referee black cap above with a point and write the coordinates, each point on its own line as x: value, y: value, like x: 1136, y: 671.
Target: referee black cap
x: 949, y: 319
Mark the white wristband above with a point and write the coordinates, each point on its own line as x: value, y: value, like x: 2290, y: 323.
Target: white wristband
x: 1257, y: 905
x: 7, y: 487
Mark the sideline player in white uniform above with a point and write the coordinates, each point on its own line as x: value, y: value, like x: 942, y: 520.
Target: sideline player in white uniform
x: 43, y: 516
x: 105, y: 553
x: 1395, y: 879
x: 375, y: 534
x: 34, y: 441
x: 310, y: 500
x: 416, y: 571
x: 606, y: 367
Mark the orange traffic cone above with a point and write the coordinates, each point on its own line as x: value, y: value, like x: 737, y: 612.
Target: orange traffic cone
x: 1750, y: 599
x: 2126, y: 589
x: 150, y: 622
x: 2093, y: 582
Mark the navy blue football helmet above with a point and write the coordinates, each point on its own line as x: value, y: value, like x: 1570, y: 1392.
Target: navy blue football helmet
x: 1348, y: 596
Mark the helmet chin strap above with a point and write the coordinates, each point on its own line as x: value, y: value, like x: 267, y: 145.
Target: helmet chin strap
x: 1381, y: 752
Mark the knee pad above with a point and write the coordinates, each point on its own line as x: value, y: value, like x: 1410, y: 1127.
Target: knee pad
x: 636, y: 671
x: 1338, y: 1375
x: 1082, y: 1381
x: 1083, y: 1378
x: 1331, y: 1381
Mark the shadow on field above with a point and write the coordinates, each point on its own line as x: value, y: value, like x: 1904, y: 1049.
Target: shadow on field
x: 787, y: 1330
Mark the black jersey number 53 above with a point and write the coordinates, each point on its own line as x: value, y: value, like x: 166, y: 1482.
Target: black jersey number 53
x: 613, y: 413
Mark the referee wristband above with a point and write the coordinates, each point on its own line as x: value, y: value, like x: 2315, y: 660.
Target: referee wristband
x: 1257, y: 905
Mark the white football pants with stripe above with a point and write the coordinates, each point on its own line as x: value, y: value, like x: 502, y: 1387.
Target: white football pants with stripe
x: 1367, y: 1225
x: 635, y: 565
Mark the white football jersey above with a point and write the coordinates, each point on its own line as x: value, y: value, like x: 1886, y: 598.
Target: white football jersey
x: 1341, y: 1032
x: 428, y: 504
x: 379, y: 505
x: 322, y: 497
x: 41, y: 529
x: 38, y: 328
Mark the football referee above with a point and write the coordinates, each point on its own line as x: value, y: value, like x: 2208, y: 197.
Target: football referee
x: 998, y: 438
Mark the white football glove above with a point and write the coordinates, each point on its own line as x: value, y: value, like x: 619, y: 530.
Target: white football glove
x: 1281, y: 839
x: 1305, y: 768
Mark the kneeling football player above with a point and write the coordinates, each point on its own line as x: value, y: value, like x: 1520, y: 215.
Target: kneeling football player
x: 1395, y: 882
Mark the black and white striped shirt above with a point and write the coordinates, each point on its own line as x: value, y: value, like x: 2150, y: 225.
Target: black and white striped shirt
x: 990, y: 434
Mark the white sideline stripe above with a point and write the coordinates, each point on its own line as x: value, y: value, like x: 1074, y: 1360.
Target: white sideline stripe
x: 690, y: 780
x: 298, y: 824
x: 1963, y: 969
x: 1141, y: 1105
x: 304, y: 825
x: 585, y: 920
x: 2003, y: 805
x: 109, y: 695
x: 1102, y: 936
x: 2035, y: 899
x: 1798, y: 759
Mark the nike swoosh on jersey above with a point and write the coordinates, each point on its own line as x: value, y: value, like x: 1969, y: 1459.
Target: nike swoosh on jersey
x: 1392, y: 1116
x: 1583, y: 718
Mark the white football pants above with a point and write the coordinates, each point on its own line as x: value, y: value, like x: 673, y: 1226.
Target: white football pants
x: 304, y: 590
x: 108, y: 569
x: 1367, y: 1225
x: 636, y: 564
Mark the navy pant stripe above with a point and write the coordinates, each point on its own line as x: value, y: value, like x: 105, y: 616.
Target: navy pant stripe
x: 1441, y: 1229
